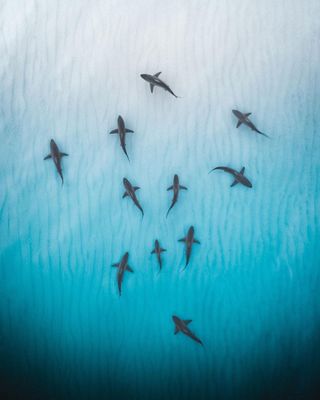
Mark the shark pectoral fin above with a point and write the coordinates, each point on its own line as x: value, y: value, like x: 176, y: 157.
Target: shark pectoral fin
x: 234, y: 183
x: 176, y: 330
x: 129, y: 131
x: 161, y: 249
x: 47, y: 157
x: 136, y: 188
x: 187, y: 321
x: 182, y: 240
x: 151, y: 87
x: 170, y: 188
x: 113, y: 131
x: 239, y: 123
x: 242, y: 170
x: 247, y: 114
x: 157, y: 74
x: 129, y: 269
x: 153, y: 251
x: 64, y: 155
x: 115, y: 265
x: 196, y: 241
x: 125, y: 194
x: 183, y: 187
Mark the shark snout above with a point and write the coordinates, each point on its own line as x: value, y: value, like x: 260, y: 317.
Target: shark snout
x: 174, y: 318
x: 146, y: 77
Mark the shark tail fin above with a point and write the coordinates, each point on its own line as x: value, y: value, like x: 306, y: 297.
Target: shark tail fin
x: 264, y: 134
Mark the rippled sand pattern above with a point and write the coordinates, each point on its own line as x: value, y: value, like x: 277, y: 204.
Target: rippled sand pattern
x: 67, y: 70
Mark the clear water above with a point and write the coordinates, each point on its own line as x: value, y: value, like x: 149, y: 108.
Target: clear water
x: 67, y: 70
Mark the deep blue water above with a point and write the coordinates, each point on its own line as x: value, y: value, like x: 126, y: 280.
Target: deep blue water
x: 67, y: 70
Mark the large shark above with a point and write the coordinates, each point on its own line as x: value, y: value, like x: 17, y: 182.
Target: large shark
x: 121, y: 131
x: 243, y: 118
x: 189, y: 240
x: 238, y: 176
x: 130, y: 191
x: 158, y: 250
x: 176, y: 188
x: 154, y: 80
x: 56, y: 156
x: 122, y: 268
x: 182, y: 326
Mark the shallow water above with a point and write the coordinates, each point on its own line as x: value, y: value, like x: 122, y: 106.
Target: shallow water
x: 67, y: 70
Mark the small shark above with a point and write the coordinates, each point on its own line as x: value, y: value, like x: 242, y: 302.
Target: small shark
x: 158, y: 250
x: 122, y: 130
x: 243, y: 118
x: 154, y: 80
x: 130, y: 191
x: 182, y: 326
x: 176, y: 188
x: 56, y: 156
x: 238, y: 176
x: 122, y: 268
x: 189, y: 240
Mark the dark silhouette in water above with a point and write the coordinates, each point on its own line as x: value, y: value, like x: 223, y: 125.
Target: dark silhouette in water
x: 243, y: 118
x: 154, y: 80
x: 158, y: 250
x: 182, y: 326
x: 121, y: 131
x: 56, y: 156
x: 122, y: 268
x: 130, y: 191
x: 189, y: 240
x: 176, y: 188
x: 238, y: 176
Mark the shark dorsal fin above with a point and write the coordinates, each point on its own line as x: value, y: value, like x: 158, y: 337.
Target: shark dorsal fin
x: 157, y: 74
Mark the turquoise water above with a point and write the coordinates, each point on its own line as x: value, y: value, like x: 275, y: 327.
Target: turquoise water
x: 252, y: 285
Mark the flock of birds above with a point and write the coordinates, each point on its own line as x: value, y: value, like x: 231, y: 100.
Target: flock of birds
x: 130, y: 191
